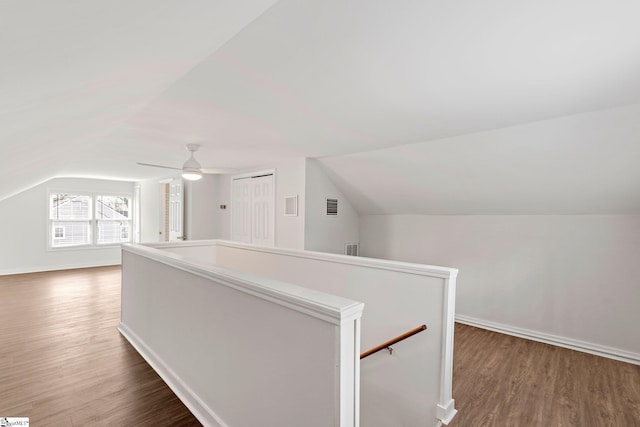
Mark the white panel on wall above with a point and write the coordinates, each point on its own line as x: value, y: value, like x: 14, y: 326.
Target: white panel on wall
x: 291, y: 206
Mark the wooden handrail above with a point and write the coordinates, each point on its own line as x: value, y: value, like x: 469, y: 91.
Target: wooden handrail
x: 393, y: 341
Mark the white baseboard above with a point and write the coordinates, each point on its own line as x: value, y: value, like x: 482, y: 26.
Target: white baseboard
x: 586, y: 347
x: 198, y: 408
x: 446, y: 413
x: 40, y: 269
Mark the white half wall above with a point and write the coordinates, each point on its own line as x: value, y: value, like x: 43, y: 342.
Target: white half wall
x: 24, y: 227
x: 571, y: 280
x: 238, y: 349
x: 327, y: 233
x: 411, y: 388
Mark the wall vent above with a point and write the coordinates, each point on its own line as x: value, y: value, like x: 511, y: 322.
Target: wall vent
x: 332, y: 206
x: 351, y: 249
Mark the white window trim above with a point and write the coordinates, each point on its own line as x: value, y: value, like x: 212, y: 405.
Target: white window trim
x: 93, y: 227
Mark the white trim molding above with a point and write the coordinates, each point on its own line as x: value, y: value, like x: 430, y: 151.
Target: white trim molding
x: 446, y: 413
x: 191, y: 400
x: 329, y: 308
x: 445, y: 410
x: 572, y: 344
x: 39, y: 269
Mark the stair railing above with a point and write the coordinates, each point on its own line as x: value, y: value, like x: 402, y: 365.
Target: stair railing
x: 387, y: 345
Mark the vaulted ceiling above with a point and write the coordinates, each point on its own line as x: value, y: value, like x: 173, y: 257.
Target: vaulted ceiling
x: 411, y: 106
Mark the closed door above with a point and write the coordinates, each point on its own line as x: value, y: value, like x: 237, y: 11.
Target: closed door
x: 253, y: 210
x: 176, y: 210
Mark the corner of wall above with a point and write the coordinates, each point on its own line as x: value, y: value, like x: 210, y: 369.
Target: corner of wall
x: 325, y: 233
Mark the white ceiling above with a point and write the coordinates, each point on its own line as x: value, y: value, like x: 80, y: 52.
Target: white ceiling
x: 579, y: 164
x: 89, y: 88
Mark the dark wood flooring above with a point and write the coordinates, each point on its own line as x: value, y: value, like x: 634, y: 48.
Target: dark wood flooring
x: 500, y: 380
x: 63, y: 363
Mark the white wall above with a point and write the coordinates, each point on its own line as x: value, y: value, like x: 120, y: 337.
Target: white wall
x: 201, y: 208
x: 149, y: 210
x: 223, y: 218
x: 325, y: 233
x: 290, y: 181
x: 24, y: 225
x: 572, y: 277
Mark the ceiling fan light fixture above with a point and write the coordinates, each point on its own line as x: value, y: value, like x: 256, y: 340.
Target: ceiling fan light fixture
x: 191, y: 168
x: 191, y: 174
x: 191, y: 164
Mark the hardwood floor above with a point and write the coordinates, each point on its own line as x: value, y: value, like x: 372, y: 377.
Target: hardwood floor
x: 500, y: 380
x: 62, y: 361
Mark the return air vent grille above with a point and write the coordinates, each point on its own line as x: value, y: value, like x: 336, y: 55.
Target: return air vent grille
x: 332, y: 206
x: 351, y: 249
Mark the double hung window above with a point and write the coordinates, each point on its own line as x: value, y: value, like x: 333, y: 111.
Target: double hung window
x: 113, y: 219
x: 87, y: 219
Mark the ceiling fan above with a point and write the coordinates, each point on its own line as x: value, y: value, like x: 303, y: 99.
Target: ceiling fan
x: 191, y: 170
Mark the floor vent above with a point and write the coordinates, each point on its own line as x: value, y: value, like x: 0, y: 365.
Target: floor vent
x: 351, y: 249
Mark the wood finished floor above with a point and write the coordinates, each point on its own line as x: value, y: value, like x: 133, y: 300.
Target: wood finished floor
x: 63, y: 363
x: 500, y: 380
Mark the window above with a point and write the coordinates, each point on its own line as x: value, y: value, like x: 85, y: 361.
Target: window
x: 75, y: 220
x: 112, y: 215
x: 70, y: 218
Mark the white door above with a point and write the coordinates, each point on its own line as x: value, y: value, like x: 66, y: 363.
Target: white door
x: 253, y: 210
x: 263, y: 211
x: 176, y: 210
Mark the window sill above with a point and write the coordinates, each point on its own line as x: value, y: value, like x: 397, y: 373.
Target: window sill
x: 85, y: 247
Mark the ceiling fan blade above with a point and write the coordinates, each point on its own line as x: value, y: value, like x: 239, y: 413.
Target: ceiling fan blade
x: 216, y: 170
x: 158, y: 166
